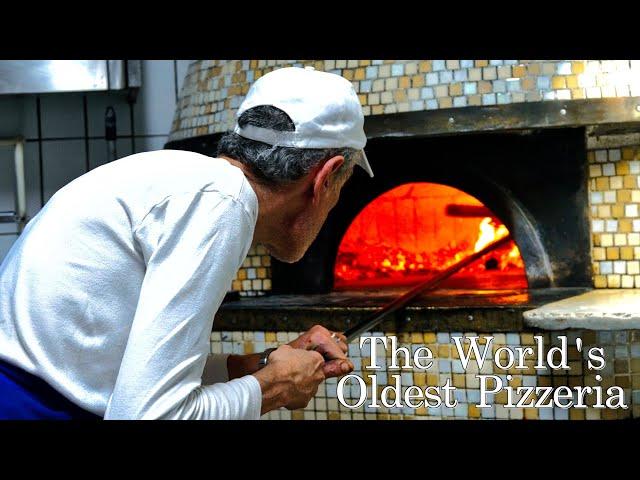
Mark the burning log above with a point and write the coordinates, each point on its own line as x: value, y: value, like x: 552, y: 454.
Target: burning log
x: 466, y: 211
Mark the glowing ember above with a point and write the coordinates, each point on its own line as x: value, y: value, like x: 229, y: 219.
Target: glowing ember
x: 490, y: 231
x: 412, y: 231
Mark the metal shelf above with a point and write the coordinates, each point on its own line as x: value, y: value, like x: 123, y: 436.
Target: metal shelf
x: 19, y: 215
x: 52, y: 76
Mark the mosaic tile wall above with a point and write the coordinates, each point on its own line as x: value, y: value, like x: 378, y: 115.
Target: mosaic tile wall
x: 254, y: 277
x: 614, y: 198
x: 621, y: 351
x: 213, y: 89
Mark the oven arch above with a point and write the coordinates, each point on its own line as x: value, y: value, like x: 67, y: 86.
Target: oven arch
x: 535, y: 182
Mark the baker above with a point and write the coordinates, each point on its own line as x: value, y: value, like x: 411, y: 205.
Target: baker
x: 107, y: 299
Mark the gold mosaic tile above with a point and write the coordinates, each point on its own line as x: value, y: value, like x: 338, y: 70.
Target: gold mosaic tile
x: 615, y: 229
x: 425, y: 66
x: 253, y: 278
x: 455, y: 89
x: 445, y: 102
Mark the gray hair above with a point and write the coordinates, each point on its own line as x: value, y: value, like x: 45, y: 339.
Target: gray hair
x: 272, y: 164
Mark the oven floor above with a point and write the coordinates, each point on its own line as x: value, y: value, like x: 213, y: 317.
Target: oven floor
x: 443, y: 309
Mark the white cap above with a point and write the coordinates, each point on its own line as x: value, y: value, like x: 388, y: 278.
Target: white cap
x: 323, y: 106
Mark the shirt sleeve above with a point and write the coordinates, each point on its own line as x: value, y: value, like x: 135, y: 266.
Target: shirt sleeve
x: 193, y: 245
x: 215, y: 370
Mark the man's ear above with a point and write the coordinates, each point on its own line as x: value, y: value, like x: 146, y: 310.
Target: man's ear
x: 325, y: 175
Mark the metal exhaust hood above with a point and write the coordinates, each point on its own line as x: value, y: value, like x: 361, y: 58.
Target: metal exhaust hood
x: 55, y: 76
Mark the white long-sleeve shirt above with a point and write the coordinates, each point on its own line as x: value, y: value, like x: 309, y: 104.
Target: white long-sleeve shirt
x: 109, y: 294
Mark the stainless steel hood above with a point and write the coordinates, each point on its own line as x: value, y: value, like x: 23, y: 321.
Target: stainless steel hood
x: 48, y: 76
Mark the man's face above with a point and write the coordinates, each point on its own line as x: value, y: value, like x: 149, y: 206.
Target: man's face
x: 301, y: 228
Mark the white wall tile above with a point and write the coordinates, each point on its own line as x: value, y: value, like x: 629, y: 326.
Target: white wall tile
x: 7, y: 179
x: 7, y: 228
x: 11, y: 109
x: 147, y: 144
x: 98, y: 151
x: 29, y: 117
x: 62, y: 115
x: 155, y: 105
x: 32, y: 178
x: 97, y: 104
x: 6, y: 241
x: 18, y: 116
x: 63, y: 162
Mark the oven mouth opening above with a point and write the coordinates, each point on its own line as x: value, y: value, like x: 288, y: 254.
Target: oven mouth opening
x: 414, y: 231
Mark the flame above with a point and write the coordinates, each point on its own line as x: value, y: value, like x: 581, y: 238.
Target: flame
x: 488, y: 233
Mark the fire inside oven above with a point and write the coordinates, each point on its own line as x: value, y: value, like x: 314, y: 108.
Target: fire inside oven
x: 416, y: 230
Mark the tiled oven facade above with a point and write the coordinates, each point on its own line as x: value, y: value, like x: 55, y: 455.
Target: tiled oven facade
x: 213, y: 90
x: 621, y: 349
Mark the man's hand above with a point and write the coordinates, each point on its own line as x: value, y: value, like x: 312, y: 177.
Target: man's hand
x: 318, y: 338
x: 333, y: 349
x: 290, y: 379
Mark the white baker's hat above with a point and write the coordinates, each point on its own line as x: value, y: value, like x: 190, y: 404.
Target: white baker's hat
x: 323, y: 106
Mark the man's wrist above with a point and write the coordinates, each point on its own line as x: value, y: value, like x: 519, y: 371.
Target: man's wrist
x: 270, y: 388
x: 241, y: 365
x: 263, y: 360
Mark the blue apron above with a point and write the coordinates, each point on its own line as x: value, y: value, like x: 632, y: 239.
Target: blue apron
x: 26, y: 397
